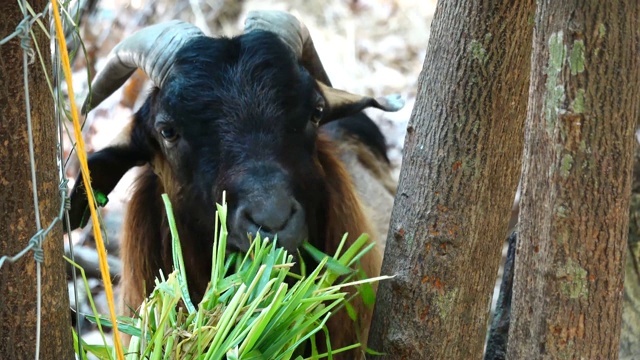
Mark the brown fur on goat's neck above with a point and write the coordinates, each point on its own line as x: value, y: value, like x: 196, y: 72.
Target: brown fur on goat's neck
x: 141, y: 250
x: 146, y: 244
x: 345, y: 214
x: 144, y: 249
x: 344, y: 209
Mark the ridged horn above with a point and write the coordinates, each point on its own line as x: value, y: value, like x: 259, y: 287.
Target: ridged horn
x: 294, y: 33
x: 152, y: 49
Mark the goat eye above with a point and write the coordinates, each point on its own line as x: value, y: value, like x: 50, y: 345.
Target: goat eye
x: 169, y: 133
x: 316, y: 116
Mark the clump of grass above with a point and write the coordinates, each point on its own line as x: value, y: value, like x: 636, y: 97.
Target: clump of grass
x: 249, y: 311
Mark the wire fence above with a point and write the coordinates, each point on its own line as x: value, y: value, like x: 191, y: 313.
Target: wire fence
x: 31, y: 53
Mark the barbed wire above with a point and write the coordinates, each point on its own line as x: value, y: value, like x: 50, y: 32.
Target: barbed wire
x: 24, y: 27
x: 35, y: 242
x: 23, y: 33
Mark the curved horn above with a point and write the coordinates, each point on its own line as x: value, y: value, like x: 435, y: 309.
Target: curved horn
x: 294, y: 33
x: 153, y: 49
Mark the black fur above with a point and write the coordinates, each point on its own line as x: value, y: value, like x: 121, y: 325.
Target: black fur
x: 106, y: 168
x: 243, y: 107
x: 239, y: 115
x: 243, y: 112
x: 362, y: 128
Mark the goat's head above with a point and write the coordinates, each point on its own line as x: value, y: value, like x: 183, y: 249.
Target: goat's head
x: 237, y: 114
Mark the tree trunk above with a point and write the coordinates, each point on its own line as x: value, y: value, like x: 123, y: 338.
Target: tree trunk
x: 18, y: 280
x: 567, y: 300
x: 630, y: 334
x: 458, y: 180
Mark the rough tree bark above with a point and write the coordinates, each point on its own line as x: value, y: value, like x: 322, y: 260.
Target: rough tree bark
x: 17, y: 225
x: 459, y: 176
x: 584, y: 101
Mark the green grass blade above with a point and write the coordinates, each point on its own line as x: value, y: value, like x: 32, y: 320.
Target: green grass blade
x: 177, y: 255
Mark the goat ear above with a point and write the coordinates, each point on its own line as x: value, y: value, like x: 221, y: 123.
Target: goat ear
x: 339, y: 103
x: 106, y: 168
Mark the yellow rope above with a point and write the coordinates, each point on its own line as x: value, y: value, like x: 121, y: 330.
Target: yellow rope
x: 82, y: 156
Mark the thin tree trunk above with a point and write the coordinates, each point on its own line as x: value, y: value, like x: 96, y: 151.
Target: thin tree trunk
x: 18, y: 280
x: 574, y: 208
x: 459, y: 176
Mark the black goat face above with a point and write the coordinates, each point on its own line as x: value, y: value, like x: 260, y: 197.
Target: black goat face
x: 239, y: 115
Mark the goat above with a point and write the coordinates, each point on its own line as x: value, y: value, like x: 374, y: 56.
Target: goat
x: 254, y: 115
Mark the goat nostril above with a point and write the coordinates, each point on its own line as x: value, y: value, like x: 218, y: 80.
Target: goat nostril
x: 269, y: 220
x: 259, y: 225
x: 252, y: 222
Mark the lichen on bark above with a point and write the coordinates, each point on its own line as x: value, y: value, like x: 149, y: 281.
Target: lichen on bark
x: 555, y: 91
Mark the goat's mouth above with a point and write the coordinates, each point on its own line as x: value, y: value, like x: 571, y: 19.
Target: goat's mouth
x: 238, y: 243
x: 289, y: 230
